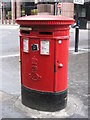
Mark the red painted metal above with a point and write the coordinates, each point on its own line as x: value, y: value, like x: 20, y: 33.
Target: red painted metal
x: 47, y: 73
x: 59, y: 5
x: 44, y: 20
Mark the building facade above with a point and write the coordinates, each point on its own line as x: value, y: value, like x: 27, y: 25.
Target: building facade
x: 12, y: 9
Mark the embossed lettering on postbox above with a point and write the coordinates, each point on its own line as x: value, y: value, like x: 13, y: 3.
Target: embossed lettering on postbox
x: 34, y: 75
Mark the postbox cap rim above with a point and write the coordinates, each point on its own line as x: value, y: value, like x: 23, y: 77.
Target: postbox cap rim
x: 38, y: 19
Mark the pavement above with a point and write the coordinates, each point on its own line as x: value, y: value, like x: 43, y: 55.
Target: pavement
x: 10, y: 87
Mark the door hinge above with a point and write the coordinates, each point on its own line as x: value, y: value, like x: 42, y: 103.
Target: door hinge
x: 54, y: 68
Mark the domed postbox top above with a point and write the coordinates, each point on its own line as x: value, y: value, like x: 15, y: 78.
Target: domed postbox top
x: 44, y: 20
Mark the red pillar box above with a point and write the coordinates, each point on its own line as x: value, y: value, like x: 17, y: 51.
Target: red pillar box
x: 44, y: 42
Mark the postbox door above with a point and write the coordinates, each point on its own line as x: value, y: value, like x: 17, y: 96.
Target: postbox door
x: 61, y: 62
x: 38, y: 64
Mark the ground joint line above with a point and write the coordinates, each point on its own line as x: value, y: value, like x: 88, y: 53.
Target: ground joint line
x: 8, y: 56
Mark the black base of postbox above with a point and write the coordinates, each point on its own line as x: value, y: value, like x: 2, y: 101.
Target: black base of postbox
x: 44, y: 101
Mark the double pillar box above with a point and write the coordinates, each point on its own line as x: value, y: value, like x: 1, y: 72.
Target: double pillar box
x: 44, y: 42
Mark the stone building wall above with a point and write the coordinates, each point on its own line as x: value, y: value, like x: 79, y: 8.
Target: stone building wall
x: 45, y: 8
x: 67, y: 9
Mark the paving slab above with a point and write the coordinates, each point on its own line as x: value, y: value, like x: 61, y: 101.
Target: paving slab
x: 74, y: 107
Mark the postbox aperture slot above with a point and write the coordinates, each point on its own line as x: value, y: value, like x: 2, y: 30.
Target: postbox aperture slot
x: 25, y: 32
x: 45, y: 33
